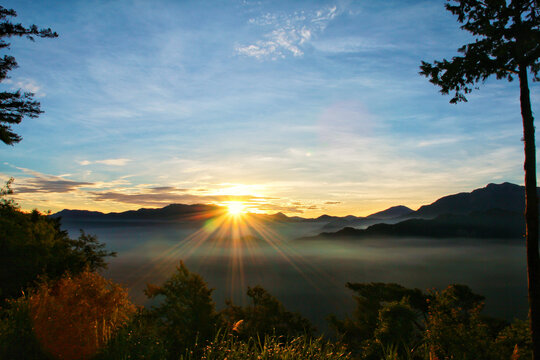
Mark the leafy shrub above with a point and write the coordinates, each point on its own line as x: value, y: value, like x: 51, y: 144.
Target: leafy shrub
x: 454, y: 328
x: 515, y: 340
x: 17, y: 337
x: 186, y: 314
x: 385, y: 320
x: 265, y: 317
x: 139, y: 339
x: 33, y: 245
x: 396, y: 326
x: 75, y: 316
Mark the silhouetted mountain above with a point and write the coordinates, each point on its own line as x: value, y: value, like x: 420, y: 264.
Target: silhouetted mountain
x: 507, y: 197
x: 275, y: 218
x: 495, y: 211
x: 340, y: 223
x: 493, y: 223
x: 391, y: 213
x: 173, y: 212
x: 322, y: 219
x: 279, y: 217
x: 504, y: 196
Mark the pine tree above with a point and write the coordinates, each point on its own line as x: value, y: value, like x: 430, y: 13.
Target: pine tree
x: 15, y: 105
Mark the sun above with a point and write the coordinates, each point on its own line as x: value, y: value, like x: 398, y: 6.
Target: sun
x: 236, y: 208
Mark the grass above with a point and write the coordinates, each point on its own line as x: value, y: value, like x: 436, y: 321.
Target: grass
x: 227, y: 346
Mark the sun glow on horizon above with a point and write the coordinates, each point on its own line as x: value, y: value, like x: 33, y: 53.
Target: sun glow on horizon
x: 236, y: 208
x: 239, y: 235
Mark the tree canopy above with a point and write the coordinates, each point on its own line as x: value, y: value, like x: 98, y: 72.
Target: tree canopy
x: 507, y: 39
x: 33, y: 245
x: 15, y: 105
x: 266, y: 316
x: 186, y: 315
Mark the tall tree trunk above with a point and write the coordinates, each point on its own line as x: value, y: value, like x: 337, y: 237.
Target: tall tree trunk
x: 531, y: 212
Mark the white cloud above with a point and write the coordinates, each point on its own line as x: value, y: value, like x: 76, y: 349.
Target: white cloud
x: 288, y: 33
x: 26, y: 85
x: 110, y: 162
x: 113, y: 162
x: 352, y: 44
x: 441, y: 141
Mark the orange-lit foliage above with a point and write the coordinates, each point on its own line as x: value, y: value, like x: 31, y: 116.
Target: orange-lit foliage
x: 75, y: 316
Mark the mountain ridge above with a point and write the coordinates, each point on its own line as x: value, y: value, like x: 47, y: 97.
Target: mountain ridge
x: 493, y: 223
x: 506, y: 196
x: 494, y: 211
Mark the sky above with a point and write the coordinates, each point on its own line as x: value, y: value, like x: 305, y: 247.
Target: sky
x: 302, y: 107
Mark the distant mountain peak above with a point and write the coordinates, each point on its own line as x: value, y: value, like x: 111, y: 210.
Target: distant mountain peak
x: 504, y: 184
x: 170, y: 212
x: 279, y: 216
x: 391, y: 212
x: 506, y: 196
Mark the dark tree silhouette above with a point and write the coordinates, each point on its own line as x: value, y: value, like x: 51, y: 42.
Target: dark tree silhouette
x: 15, y: 105
x: 507, y: 45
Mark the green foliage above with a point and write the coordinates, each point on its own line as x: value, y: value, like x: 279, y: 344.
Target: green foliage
x: 266, y: 316
x: 386, y: 316
x: 454, y: 328
x: 186, y: 314
x: 396, y: 323
x: 507, y: 38
x: 229, y: 347
x: 517, y: 336
x: 139, y: 339
x: 33, y: 245
x: 393, y: 322
x: 17, y: 338
x: 4, y: 192
x: 14, y: 106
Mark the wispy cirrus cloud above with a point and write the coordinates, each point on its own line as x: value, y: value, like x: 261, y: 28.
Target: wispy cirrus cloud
x: 295, y: 209
x: 352, y: 44
x: 110, y: 162
x: 442, y: 141
x: 287, y: 33
x: 50, y: 185
x: 42, y: 183
x: 121, y: 194
x: 26, y: 85
x: 163, y: 197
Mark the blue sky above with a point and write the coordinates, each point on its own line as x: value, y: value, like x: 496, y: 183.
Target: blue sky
x: 305, y: 107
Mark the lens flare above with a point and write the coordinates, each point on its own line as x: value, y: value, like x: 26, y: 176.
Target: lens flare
x: 236, y: 208
x: 237, y: 237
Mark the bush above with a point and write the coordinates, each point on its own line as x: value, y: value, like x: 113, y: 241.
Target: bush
x: 455, y: 329
x: 385, y: 320
x: 265, y: 317
x: 17, y: 337
x: 515, y: 339
x: 186, y: 315
x: 33, y: 245
x: 75, y: 316
x: 139, y: 339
